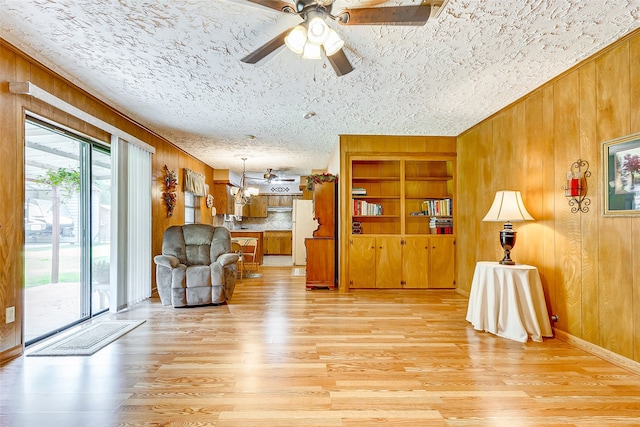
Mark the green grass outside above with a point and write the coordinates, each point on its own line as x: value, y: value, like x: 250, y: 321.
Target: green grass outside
x: 37, y: 261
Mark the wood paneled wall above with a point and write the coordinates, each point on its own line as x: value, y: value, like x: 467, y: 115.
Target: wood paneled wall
x: 17, y: 67
x: 590, y: 264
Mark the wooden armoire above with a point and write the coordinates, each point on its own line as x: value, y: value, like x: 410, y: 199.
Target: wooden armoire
x: 321, y: 248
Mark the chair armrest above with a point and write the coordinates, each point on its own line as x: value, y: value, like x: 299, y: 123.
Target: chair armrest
x: 166, y: 260
x: 228, y: 259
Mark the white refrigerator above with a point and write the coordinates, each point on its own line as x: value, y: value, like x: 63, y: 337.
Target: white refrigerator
x: 302, y: 226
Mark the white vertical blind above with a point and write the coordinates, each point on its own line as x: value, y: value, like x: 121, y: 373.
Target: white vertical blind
x: 131, y: 212
x: 139, y: 242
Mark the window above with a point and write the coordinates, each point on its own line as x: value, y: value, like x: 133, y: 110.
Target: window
x: 191, y: 208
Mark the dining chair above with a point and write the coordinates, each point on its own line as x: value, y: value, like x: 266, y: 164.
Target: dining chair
x: 250, y: 253
x: 237, y: 248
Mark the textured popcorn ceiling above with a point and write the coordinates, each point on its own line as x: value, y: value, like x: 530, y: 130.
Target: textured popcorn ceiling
x: 175, y: 67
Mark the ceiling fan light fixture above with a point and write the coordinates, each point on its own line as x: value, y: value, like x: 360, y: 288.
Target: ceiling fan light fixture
x: 333, y: 44
x: 311, y: 51
x: 318, y: 30
x: 296, y: 39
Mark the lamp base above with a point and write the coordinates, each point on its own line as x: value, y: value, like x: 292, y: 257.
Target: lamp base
x: 507, y: 241
x: 507, y: 259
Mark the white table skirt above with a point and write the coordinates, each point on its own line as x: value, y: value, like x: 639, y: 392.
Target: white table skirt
x: 508, y: 301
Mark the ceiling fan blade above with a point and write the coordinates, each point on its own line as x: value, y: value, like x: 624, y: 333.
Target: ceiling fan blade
x: 396, y: 15
x: 266, y: 49
x: 280, y: 6
x: 340, y: 63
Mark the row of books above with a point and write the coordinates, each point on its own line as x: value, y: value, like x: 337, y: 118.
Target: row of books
x: 437, y: 207
x: 362, y: 207
x: 441, y: 225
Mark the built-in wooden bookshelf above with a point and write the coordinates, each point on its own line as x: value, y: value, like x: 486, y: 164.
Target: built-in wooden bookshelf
x: 379, y: 182
x: 427, y: 181
x: 402, y: 221
x: 388, y: 196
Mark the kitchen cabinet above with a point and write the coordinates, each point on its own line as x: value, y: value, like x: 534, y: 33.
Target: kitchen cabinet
x: 281, y: 200
x: 401, y: 262
x: 277, y: 242
x: 223, y: 200
x: 256, y: 208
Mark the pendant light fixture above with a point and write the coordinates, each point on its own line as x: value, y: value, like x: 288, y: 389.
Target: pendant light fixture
x: 242, y: 195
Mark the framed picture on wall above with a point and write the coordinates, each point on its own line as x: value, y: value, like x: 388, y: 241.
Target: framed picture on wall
x: 621, y: 174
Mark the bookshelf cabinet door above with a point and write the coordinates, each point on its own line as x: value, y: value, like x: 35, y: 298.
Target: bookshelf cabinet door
x: 362, y: 262
x: 442, y: 262
x: 388, y: 262
x: 415, y: 262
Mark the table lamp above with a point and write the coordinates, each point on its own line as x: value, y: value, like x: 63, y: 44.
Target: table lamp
x: 507, y: 207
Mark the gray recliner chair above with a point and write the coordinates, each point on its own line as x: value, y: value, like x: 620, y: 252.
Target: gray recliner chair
x: 196, y: 267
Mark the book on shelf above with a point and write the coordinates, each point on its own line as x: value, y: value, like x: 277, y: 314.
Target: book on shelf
x: 438, y: 207
x: 364, y: 208
x: 439, y: 225
x: 358, y: 191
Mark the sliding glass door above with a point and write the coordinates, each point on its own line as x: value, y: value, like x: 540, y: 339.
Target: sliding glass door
x: 67, y: 223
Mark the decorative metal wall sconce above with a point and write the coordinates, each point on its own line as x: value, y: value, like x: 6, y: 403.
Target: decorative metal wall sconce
x: 576, y: 188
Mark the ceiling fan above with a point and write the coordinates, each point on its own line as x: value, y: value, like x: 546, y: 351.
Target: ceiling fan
x: 270, y: 176
x: 313, y: 36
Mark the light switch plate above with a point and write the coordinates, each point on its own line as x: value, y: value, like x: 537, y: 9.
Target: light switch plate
x: 11, y: 314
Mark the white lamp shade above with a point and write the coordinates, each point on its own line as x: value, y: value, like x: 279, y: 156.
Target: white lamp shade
x: 508, y: 207
x: 311, y: 51
x: 318, y: 30
x: 296, y: 39
x: 253, y: 191
x: 333, y: 43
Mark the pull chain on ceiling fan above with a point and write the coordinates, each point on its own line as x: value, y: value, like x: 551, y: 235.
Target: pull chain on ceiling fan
x: 313, y: 36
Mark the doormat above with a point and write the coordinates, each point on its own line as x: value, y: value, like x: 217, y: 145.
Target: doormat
x: 87, y: 341
x: 299, y: 272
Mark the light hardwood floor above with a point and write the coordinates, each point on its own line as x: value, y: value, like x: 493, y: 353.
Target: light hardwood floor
x: 279, y: 355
